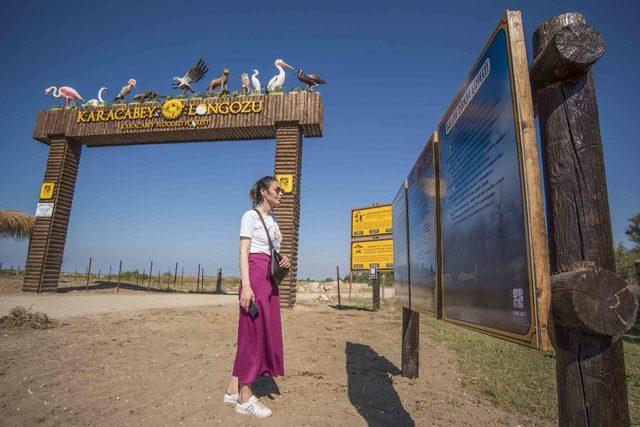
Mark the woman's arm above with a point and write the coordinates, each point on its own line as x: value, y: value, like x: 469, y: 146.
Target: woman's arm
x: 247, y: 293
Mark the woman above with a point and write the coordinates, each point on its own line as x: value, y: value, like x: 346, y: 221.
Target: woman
x: 259, y: 351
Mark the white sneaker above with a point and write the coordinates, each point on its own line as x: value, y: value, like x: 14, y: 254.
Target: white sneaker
x: 253, y: 407
x: 230, y: 398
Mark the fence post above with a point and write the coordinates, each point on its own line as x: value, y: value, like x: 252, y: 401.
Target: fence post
x: 150, y: 274
x: 410, y: 343
x: 119, y: 276
x: 338, y: 278
x: 375, y: 289
x: 86, y: 288
x: 175, y: 277
x: 591, y: 305
x: 219, y: 281
x: 181, y: 279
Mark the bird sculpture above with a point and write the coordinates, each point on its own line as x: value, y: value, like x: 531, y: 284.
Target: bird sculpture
x: 147, y: 96
x: 66, y: 92
x: 96, y: 102
x: 277, y: 81
x: 311, y: 80
x: 220, y: 81
x: 246, y: 85
x: 194, y: 75
x: 255, y: 82
x: 125, y: 91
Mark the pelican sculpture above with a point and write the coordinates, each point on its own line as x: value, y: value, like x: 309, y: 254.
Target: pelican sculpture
x: 311, y: 80
x: 277, y: 81
x: 194, y: 75
x: 96, y: 102
x: 255, y: 82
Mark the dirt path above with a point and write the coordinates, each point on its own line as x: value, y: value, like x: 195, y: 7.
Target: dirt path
x: 170, y: 366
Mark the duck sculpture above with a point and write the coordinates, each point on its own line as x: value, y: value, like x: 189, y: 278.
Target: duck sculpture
x: 311, y: 80
x: 66, y: 92
x: 277, y: 81
x: 96, y: 102
x: 255, y: 82
x: 194, y: 75
x: 125, y: 91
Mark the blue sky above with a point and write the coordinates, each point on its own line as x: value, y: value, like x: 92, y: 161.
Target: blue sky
x: 392, y: 67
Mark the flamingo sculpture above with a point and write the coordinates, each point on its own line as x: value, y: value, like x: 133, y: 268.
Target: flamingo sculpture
x: 255, y: 81
x: 66, y: 92
x: 311, y: 80
x: 125, y: 91
x: 277, y: 81
x: 96, y: 102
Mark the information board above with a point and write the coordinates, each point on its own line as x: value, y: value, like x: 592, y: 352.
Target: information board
x: 401, y: 272
x: 487, y: 279
x: 421, y: 195
x: 371, y: 221
x: 372, y: 254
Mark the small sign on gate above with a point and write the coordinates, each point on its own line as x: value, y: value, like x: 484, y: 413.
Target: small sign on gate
x: 44, y: 209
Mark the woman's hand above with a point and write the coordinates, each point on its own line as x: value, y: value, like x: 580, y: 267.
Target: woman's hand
x: 285, y: 262
x: 246, y: 296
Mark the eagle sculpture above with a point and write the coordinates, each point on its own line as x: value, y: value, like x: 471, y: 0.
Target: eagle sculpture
x: 194, y: 75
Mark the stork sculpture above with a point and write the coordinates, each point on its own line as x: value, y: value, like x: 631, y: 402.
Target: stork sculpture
x: 66, y: 92
x: 311, y: 80
x: 246, y: 86
x: 277, y: 81
x: 194, y: 75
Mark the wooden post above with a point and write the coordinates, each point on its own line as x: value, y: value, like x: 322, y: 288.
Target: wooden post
x: 175, y: 277
x: 198, y: 280
x: 410, y: 343
x: 590, y: 367
x: 338, y: 278
x: 86, y: 288
x: 99, y: 272
x: 109, y: 279
x: 137, y: 278
x: 203, y: 278
x: 375, y: 290
x: 119, y: 276
x: 350, y: 280
x: 181, y: 279
x: 46, y: 245
x: 159, y: 271
x: 150, y: 273
x: 219, y: 281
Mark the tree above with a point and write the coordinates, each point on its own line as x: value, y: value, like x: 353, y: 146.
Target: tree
x: 633, y: 230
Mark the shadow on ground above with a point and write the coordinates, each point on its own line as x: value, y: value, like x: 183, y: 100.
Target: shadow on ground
x: 349, y: 307
x: 104, y: 285
x: 371, y: 387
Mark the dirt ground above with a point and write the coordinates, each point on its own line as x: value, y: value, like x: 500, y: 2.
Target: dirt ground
x: 170, y: 366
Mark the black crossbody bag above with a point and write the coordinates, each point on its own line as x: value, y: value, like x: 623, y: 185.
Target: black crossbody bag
x: 277, y: 273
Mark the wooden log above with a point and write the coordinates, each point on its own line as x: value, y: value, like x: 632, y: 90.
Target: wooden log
x: 590, y: 371
x: 410, y: 343
x: 593, y: 301
x: 567, y: 56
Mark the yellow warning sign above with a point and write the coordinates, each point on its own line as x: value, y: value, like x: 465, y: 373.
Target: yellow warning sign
x: 286, y: 182
x: 372, y: 253
x: 371, y: 221
x: 46, y: 191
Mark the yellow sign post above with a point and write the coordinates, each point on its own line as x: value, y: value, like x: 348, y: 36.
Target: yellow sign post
x: 368, y: 254
x: 286, y: 182
x: 46, y: 191
x: 371, y: 221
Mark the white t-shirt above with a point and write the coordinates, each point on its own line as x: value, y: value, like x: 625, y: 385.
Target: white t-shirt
x: 251, y: 226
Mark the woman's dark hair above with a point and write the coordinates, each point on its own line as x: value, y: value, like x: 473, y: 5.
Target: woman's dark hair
x: 262, y: 184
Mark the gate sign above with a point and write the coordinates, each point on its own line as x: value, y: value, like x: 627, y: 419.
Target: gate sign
x: 372, y: 254
x: 371, y: 221
x: 46, y: 191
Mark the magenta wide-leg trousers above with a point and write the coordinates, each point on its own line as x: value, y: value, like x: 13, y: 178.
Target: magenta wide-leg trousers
x: 260, y: 351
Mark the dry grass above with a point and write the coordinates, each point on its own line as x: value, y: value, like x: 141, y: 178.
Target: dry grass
x: 17, y: 225
x: 21, y: 317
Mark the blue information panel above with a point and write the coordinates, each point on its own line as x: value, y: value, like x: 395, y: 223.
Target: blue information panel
x: 401, y: 248
x: 486, y: 273
x: 421, y: 195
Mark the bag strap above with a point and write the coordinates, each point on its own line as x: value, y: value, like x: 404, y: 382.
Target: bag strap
x: 266, y: 230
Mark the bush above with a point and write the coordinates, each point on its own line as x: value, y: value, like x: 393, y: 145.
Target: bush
x: 21, y: 317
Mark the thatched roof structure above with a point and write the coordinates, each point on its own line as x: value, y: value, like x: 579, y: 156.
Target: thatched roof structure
x: 16, y: 225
